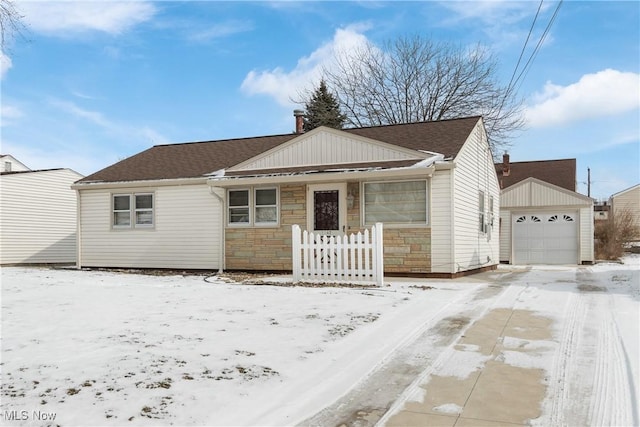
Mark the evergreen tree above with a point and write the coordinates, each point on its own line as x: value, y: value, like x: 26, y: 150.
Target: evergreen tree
x: 323, y: 109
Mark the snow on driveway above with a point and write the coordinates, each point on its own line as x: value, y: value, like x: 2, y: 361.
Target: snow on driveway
x: 106, y: 348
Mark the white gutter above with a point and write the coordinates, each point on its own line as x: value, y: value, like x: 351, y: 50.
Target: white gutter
x: 136, y: 184
x: 78, y: 231
x: 333, y: 176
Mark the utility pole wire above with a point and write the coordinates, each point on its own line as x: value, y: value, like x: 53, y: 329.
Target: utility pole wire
x: 515, y: 70
x: 527, y: 66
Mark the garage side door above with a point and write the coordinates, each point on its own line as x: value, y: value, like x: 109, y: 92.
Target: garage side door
x: 545, y: 238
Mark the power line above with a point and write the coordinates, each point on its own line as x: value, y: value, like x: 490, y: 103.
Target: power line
x: 515, y: 70
x: 527, y: 66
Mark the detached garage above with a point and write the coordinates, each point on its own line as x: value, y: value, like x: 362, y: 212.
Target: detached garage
x: 541, y: 223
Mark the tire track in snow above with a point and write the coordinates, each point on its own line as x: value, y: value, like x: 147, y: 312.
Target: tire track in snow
x: 611, y: 397
x: 559, y: 393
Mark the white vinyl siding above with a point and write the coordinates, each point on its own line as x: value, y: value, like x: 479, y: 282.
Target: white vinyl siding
x: 401, y: 202
x: 628, y: 199
x: 474, y: 171
x: 38, y: 217
x: 504, y: 228
x: 186, y: 233
x: 586, y: 232
x: 441, y: 221
x: 328, y: 147
x: 533, y: 196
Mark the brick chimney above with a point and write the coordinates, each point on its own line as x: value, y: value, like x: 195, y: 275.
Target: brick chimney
x: 506, y: 167
x: 299, y: 115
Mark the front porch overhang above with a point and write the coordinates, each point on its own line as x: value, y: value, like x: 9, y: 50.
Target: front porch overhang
x: 327, y: 176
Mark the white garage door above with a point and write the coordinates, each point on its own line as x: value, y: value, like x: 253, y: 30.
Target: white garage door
x: 545, y: 238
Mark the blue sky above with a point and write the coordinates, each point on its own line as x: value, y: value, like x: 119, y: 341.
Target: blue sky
x: 92, y: 83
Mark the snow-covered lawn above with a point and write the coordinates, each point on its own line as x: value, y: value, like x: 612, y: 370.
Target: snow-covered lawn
x: 107, y: 348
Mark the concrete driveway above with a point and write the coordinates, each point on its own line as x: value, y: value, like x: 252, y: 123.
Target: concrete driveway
x: 537, y: 346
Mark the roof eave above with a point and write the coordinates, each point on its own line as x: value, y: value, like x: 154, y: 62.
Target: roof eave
x: 89, y: 185
x: 333, y: 176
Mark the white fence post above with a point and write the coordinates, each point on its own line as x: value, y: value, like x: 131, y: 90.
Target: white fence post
x: 354, y: 258
x: 378, y: 250
x: 295, y: 244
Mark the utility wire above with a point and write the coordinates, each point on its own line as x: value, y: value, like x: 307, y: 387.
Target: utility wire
x: 515, y: 70
x: 527, y: 66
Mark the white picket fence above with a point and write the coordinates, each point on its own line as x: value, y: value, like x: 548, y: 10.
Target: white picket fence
x: 354, y: 258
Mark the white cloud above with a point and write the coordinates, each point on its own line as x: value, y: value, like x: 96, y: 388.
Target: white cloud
x: 74, y: 16
x: 222, y: 29
x: 605, y: 93
x: 144, y: 134
x: 92, y: 116
x: 5, y: 64
x: 11, y: 112
x: 284, y: 86
x: 491, y: 11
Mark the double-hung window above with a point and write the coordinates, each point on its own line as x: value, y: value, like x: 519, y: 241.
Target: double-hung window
x: 132, y: 209
x: 238, y: 206
x: 491, y: 215
x: 266, y: 206
x: 402, y: 202
x: 481, y: 214
x: 258, y: 206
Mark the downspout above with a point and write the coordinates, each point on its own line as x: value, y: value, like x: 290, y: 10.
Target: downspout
x: 78, y: 231
x: 221, y: 252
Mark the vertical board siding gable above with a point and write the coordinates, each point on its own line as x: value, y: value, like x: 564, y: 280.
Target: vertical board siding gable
x: 326, y: 147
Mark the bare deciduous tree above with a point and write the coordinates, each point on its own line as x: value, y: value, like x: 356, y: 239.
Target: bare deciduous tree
x: 414, y: 79
x: 11, y: 23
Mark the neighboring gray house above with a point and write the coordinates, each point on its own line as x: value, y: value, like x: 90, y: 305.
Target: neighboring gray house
x: 230, y: 204
x: 38, y: 213
x: 542, y: 218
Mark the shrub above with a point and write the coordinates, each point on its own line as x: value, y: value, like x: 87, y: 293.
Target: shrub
x: 613, y: 236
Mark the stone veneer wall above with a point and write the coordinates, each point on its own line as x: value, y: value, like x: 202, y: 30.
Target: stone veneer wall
x: 268, y: 248
x: 406, y: 250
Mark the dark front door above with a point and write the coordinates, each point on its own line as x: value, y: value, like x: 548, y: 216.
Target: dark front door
x: 326, y: 210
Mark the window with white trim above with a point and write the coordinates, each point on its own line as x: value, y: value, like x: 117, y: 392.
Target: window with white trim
x: 266, y: 206
x: 133, y: 209
x: 401, y: 202
x: 491, y: 214
x: 238, y: 206
x: 481, y: 213
x: 257, y: 206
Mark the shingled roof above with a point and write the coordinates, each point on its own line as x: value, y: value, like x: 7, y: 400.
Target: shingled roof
x: 196, y: 159
x: 557, y: 172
